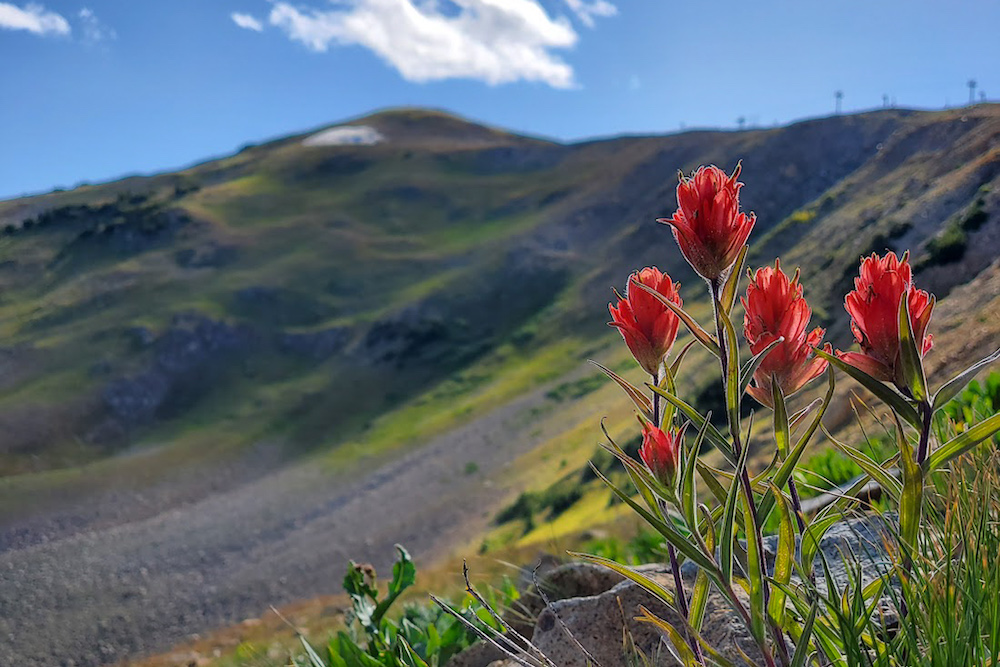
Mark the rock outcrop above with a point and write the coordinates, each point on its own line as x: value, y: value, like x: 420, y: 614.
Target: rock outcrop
x: 604, y: 621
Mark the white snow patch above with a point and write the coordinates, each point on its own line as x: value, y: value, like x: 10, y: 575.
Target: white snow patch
x: 346, y: 135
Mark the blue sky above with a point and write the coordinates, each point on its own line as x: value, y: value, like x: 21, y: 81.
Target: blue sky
x: 94, y: 89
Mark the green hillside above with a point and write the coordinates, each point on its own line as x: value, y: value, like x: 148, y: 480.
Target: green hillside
x: 295, y: 292
x: 342, y: 303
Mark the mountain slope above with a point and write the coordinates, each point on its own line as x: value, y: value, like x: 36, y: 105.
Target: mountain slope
x: 172, y: 340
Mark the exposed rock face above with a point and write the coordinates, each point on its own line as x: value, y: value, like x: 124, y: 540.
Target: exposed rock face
x: 606, y: 626
x: 189, y: 345
x: 604, y: 621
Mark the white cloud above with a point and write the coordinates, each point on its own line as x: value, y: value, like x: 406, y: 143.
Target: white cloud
x: 93, y: 29
x: 33, y: 18
x: 586, y: 11
x: 247, y: 21
x: 496, y: 41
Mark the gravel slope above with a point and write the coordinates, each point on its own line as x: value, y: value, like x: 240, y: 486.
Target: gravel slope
x: 112, y: 591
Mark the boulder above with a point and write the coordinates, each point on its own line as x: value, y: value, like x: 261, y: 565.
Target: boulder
x: 604, y: 621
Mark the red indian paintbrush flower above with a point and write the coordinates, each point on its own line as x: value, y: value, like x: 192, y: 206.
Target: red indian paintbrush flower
x: 661, y: 452
x: 774, y: 309
x: 708, y: 225
x: 874, y: 310
x: 648, y: 327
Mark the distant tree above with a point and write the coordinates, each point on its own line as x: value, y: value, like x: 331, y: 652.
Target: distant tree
x: 885, y: 101
x: 741, y: 122
x: 972, y: 91
x: 839, y: 96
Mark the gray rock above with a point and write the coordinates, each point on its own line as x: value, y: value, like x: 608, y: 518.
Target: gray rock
x: 606, y: 626
x: 605, y: 623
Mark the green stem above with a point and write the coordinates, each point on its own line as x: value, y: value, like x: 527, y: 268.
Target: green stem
x: 733, y: 417
x: 680, y: 593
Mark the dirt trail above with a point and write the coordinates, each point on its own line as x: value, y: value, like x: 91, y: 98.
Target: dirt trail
x: 115, y: 591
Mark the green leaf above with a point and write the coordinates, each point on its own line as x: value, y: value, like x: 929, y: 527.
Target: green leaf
x: 733, y: 392
x: 647, y: 485
x: 727, y: 532
x: 700, y: 334
x: 714, y: 436
x: 963, y: 442
x: 642, y: 403
x: 676, y: 366
x: 784, y: 558
x: 802, y: 645
x: 731, y: 287
x: 784, y: 472
x: 912, y: 498
x: 822, y: 522
x: 671, y: 534
x: 408, y: 656
x: 404, y: 575
x: 913, y: 367
x: 872, y: 468
x: 782, y: 437
x: 689, y: 490
x: 955, y: 385
x: 314, y: 659
x: 699, y: 600
x: 684, y: 651
x: 899, y: 403
x: 639, y: 578
x: 750, y: 367
x: 754, y: 573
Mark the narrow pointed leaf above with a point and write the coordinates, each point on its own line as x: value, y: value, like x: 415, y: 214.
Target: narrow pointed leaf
x: 951, y: 388
x: 733, y: 392
x: 784, y: 558
x: 681, y: 648
x: 911, y: 498
x: 644, y: 482
x: 963, y: 442
x: 784, y: 472
x: 642, y: 403
x: 714, y: 436
x: 884, y: 392
x: 796, y: 419
x: 671, y: 534
x: 802, y: 646
x: 700, y: 334
x: 699, y: 600
x: 732, y: 285
x: 913, y: 367
x: 676, y: 366
x: 754, y: 573
x: 872, y: 468
x: 634, y: 575
x: 751, y: 366
x: 727, y: 532
x: 689, y: 489
x: 781, y: 429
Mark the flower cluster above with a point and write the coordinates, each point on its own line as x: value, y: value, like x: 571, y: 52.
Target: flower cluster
x: 708, y: 225
x: 777, y: 315
x: 874, y: 305
x: 889, y: 320
x: 647, y: 325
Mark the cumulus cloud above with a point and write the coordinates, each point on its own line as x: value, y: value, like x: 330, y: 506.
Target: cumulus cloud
x: 496, y: 41
x: 33, y: 18
x: 246, y: 21
x: 92, y: 29
x: 588, y: 11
